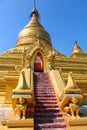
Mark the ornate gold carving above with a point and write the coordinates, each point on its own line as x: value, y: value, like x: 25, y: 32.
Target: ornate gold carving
x: 23, y: 80
x: 71, y: 98
x: 71, y: 85
x: 23, y: 94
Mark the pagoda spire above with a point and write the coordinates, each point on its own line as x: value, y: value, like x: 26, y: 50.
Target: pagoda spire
x: 76, y: 49
x: 33, y: 30
x: 34, y: 11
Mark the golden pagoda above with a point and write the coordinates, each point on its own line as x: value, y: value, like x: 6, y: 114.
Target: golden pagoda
x: 34, y: 50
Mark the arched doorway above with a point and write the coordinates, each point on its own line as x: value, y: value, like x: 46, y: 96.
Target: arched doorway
x: 38, y: 63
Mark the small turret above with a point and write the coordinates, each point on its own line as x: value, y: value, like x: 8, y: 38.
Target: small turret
x: 76, y: 49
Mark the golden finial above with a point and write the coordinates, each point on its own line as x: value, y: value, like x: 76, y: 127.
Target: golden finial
x: 34, y: 11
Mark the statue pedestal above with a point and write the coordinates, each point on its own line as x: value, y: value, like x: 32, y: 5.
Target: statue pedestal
x: 13, y: 120
x: 77, y: 122
x: 29, y: 101
x: 27, y: 94
x: 20, y: 123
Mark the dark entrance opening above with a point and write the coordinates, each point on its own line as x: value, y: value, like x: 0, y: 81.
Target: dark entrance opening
x: 38, y: 63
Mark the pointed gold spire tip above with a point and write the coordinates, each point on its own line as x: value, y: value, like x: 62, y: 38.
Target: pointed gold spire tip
x: 34, y: 12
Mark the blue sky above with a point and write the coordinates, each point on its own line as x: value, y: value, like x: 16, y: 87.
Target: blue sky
x: 65, y: 20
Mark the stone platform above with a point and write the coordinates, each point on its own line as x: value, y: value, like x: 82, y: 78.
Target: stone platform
x: 12, y: 121
x: 5, y: 118
x: 76, y: 124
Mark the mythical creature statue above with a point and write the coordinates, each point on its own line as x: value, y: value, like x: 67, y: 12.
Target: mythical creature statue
x: 73, y: 108
x: 21, y: 108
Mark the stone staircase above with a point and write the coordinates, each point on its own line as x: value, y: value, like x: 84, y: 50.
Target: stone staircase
x: 47, y: 113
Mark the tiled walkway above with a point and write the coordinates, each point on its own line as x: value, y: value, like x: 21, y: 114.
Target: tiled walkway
x: 4, y: 110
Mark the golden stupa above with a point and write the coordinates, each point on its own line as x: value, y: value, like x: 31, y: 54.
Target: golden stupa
x: 34, y: 44
x: 33, y: 30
